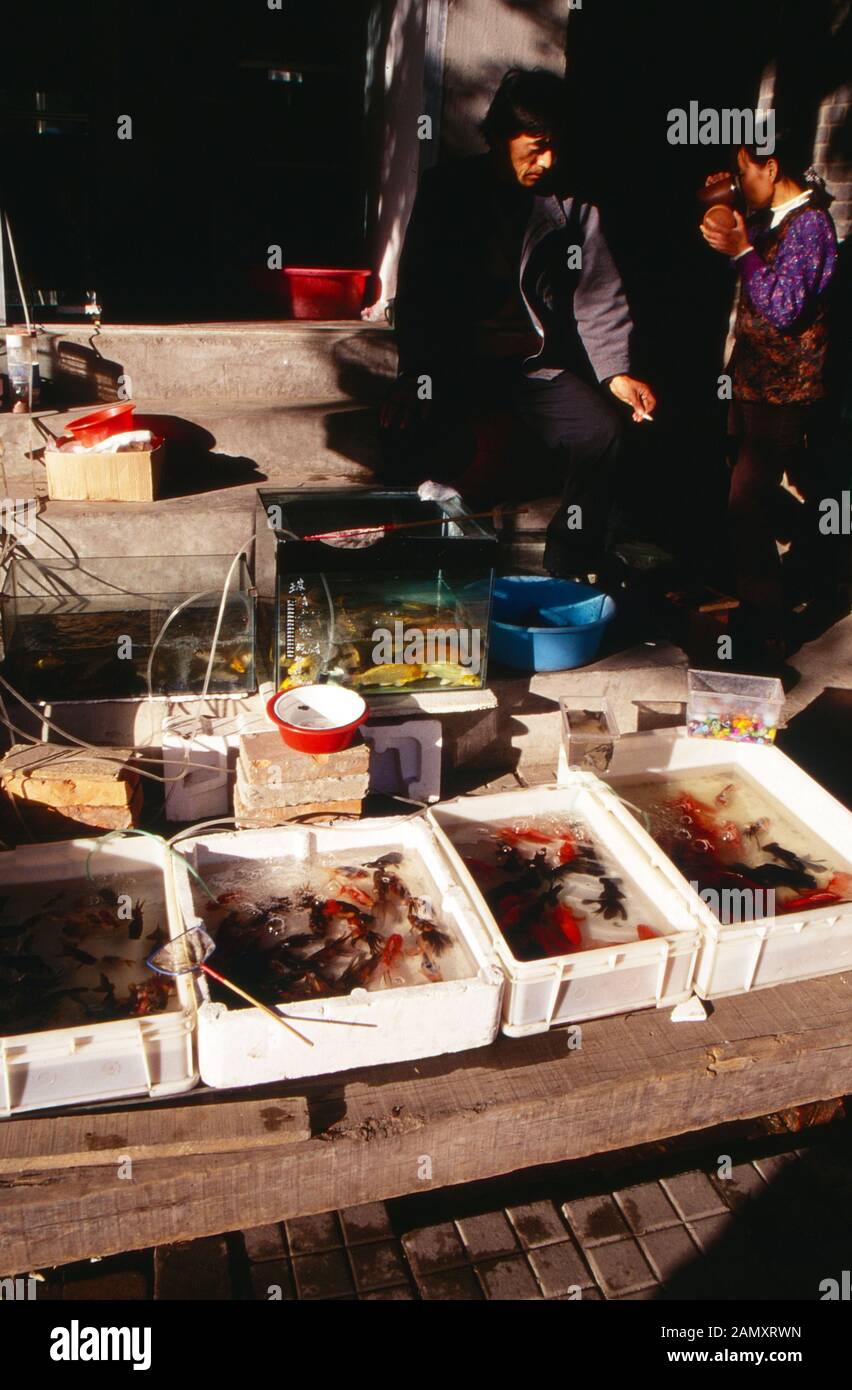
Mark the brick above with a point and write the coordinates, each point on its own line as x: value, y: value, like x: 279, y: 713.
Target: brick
x: 269, y: 1277
x: 539, y: 1223
x: 668, y: 1251
x: 397, y: 1293
x: 71, y: 791
x: 259, y: 752
x: 487, y: 1235
x: 247, y: 819
x: 646, y: 1208
x: 309, y: 1234
x: 595, y: 1220
x: 377, y: 1265
x: 744, y: 1184
x: 455, y: 1285
x: 323, y: 789
x: 772, y: 1167
x: 620, y: 1268
x: 57, y: 821
x: 323, y: 1276
x: 195, y: 1269
x: 508, y: 1279
x: 119, y: 1278
x: 49, y: 776
x: 434, y: 1248
x: 559, y: 1268
x: 264, y: 1243
x: 693, y: 1195
x: 365, y: 1223
x: 711, y: 1229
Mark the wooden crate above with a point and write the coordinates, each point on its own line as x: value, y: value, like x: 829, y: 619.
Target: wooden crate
x: 131, y: 476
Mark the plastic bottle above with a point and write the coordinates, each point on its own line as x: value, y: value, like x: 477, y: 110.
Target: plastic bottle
x: 22, y: 370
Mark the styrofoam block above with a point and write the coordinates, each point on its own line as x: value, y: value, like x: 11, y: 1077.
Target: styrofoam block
x: 203, y: 791
x: 405, y: 758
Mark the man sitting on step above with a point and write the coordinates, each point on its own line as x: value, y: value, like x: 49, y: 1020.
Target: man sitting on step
x: 508, y: 298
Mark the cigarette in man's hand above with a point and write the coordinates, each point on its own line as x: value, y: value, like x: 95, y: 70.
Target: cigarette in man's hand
x: 645, y: 416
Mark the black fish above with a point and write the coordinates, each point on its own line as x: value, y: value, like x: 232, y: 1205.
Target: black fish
x: 393, y: 857
x: 775, y: 876
x: 586, y: 862
x: 611, y: 900
x: 793, y: 861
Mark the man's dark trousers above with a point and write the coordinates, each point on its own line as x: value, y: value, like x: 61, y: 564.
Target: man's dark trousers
x: 584, y: 433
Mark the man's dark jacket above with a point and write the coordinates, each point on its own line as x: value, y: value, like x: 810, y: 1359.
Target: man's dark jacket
x: 581, y: 315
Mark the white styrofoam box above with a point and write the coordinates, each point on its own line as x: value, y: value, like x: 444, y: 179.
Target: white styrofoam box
x: 242, y: 1047
x: 749, y: 955
x: 93, y: 1062
x: 586, y: 984
x: 204, y: 790
x: 405, y: 758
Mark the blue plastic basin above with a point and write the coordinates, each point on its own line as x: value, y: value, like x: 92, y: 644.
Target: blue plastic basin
x: 543, y: 624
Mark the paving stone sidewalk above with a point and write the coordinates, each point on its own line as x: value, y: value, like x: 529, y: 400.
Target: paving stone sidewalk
x: 770, y: 1223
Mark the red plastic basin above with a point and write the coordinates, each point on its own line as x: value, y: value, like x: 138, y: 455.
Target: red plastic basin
x: 324, y: 293
x: 112, y: 419
x: 317, y: 718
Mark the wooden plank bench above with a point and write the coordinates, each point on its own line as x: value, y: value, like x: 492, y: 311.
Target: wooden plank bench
x: 399, y: 1129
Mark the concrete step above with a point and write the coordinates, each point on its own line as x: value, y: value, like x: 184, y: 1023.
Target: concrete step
x: 279, y: 361
x: 314, y: 443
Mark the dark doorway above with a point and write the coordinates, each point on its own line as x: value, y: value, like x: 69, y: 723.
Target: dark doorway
x: 247, y: 132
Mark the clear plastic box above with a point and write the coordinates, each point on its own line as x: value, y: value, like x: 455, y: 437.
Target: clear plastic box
x: 589, y: 733
x: 746, y: 709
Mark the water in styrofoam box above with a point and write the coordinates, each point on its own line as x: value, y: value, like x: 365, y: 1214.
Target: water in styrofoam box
x: 253, y: 887
x: 73, y: 951
x: 584, y: 893
x: 744, y: 819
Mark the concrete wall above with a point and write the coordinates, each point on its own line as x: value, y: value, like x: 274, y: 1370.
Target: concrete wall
x: 484, y: 38
x: 395, y: 101
x: 441, y: 58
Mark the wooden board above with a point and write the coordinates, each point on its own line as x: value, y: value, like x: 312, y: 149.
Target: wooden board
x: 86, y: 1141
x: 413, y: 1126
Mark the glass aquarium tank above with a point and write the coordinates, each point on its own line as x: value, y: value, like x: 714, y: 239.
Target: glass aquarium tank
x: 124, y: 627
x: 377, y: 590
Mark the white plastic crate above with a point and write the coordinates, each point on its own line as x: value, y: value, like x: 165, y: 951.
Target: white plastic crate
x: 93, y: 1062
x: 592, y: 983
x: 774, y: 950
x: 242, y: 1047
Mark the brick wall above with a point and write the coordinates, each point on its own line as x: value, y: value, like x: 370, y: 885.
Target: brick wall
x: 833, y: 154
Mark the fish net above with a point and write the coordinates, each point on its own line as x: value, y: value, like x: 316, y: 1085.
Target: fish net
x: 186, y: 953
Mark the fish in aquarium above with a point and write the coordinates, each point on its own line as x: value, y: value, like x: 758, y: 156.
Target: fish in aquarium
x: 367, y: 925
x: 552, y: 889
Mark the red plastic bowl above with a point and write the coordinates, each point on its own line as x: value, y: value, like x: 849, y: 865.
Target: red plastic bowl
x: 324, y: 293
x: 113, y: 419
x: 317, y: 718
